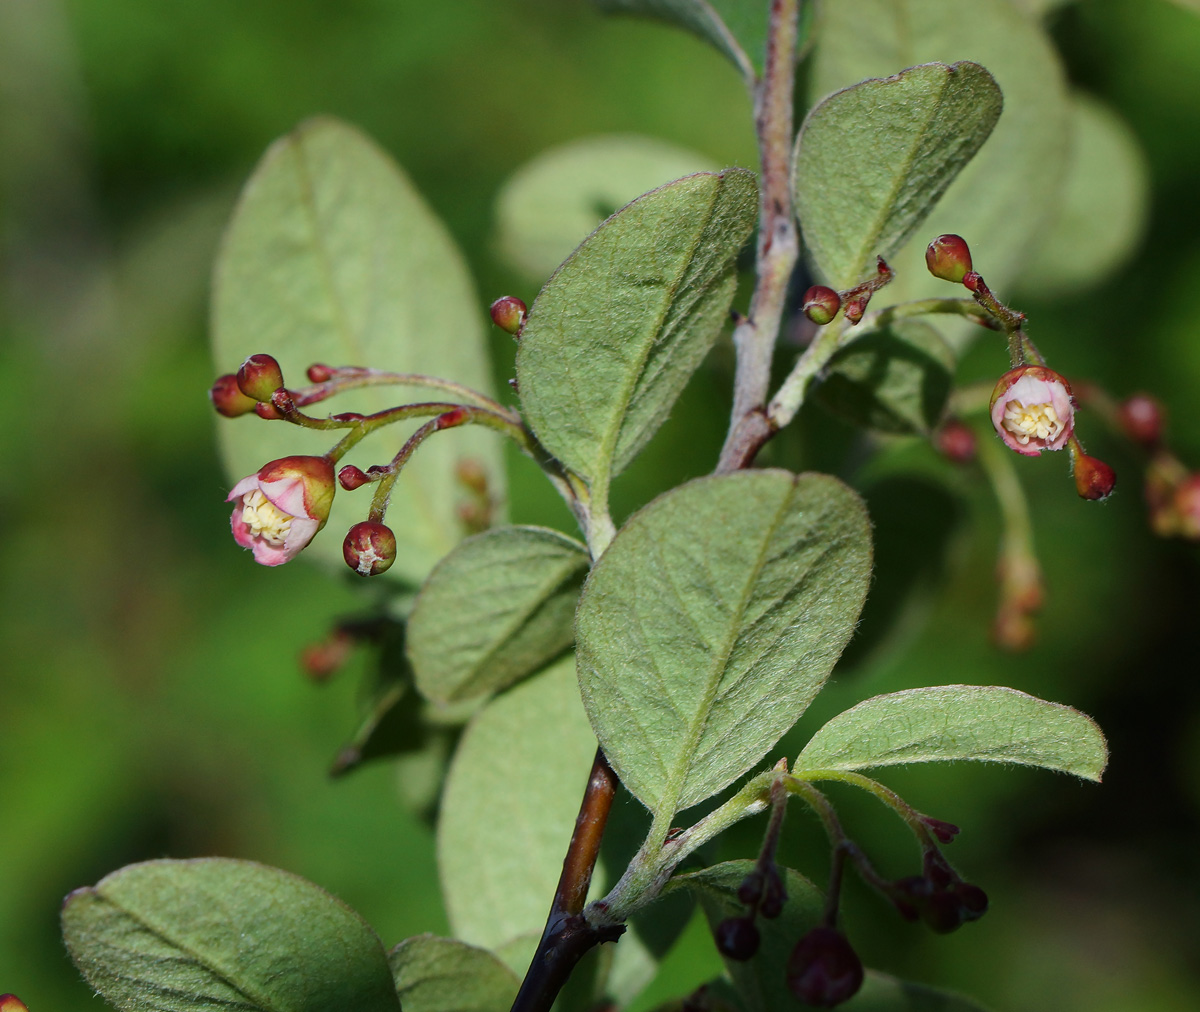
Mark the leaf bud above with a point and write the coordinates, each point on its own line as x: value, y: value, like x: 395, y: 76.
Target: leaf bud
x: 259, y: 377
x: 369, y: 548
x: 956, y: 441
x: 11, y: 1003
x: 1141, y: 418
x: 737, y: 938
x: 823, y: 969
x: 508, y: 313
x: 320, y: 373
x: 228, y: 399
x: 948, y: 257
x: 821, y: 304
x: 1094, y: 479
x: 351, y: 477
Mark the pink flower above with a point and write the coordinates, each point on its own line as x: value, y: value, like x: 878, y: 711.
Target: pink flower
x: 1033, y: 410
x: 279, y: 510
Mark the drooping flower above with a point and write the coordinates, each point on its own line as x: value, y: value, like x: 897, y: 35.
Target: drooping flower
x: 1033, y: 410
x: 278, y: 510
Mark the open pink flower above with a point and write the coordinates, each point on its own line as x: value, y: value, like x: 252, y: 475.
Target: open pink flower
x: 1033, y: 410
x: 279, y: 510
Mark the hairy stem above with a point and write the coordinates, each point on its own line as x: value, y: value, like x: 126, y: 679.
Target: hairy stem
x: 778, y: 244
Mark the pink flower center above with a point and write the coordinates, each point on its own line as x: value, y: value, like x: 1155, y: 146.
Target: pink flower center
x: 1038, y: 421
x: 264, y: 519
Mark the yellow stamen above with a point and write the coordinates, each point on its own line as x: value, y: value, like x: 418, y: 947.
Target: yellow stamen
x: 264, y: 518
x: 1038, y: 421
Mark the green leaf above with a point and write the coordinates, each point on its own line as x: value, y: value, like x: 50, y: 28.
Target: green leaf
x: 614, y: 335
x: 761, y: 981
x: 549, y: 205
x: 332, y: 257
x: 441, y: 975
x: 883, y: 993
x: 1103, y: 209
x: 498, y: 607
x: 872, y: 160
x: 195, y: 935
x: 711, y: 622
x: 1000, y: 202
x: 509, y: 807
x: 987, y: 723
x: 894, y: 380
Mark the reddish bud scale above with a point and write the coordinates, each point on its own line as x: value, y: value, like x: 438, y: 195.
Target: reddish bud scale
x: 1094, y: 479
x: 267, y: 410
x: 823, y: 969
x: 351, y: 477
x: 320, y: 373
x: 948, y: 257
x: 259, y: 377
x: 228, y: 399
x: 821, y: 304
x: 972, y: 281
x: 508, y: 313
x: 855, y: 308
x: 1141, y: 418
x: 369, y: 548
x: 282, y: 401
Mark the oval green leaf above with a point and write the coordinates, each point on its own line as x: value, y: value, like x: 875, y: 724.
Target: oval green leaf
x: 986, y: 723
x: 871, y: 161
x: 615, y: 334
x: 894, y: 380
x: 442, y: 975
x: 711, y: 622
x: 549, y: 205
x: 333, y: 257
x: 187, y: 936
x: 999, y: 202
x: 497, y: 608
x: 522, y: 765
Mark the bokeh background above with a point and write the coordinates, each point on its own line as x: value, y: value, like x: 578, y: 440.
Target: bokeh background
x: 150, y: 700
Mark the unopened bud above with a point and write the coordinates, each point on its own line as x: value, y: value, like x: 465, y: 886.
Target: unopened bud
x: 956, y: 442
x: 943, y: 912
x: 319, y: 373
x: 823, y: 969
x: 948, y: 257
x: 1187, y: 507
x: 974, y: 900
x: 11, y: 1003
x: 324, y: 659
x: 1141, y: 417
x: 737, y: 938
x: 751, y: 889
x: 774, y: 894
x: 351, y: 477
x: 228, y: 399
x: 821, y: 304
x: 508, y: 313
x: 1094, y: 479
x: 259, y: 377
x: 369, y: 548
x: 909, y: 894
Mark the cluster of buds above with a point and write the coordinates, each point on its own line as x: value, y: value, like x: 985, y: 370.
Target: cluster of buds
x: 821, y: 303
x: 763, y: 893
x: 939, y: 897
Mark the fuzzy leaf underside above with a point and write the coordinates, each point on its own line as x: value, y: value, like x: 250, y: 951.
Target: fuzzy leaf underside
x: 616, y: 332
x: 443, y: 975
x: 187, y: 936
x: 872, y: 160
x: 711, y: 622
x: 986, y: 723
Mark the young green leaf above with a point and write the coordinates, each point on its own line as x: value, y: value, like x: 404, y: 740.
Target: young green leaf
x: 332, y: 257
x: 442, y: 975
x: 498, y: 607
x: 614, y: 335
x: 871, y: 161
x: 520, y: 769
x: 883, y: 993
x: 187, y: 936
x: 987, y: 723
x: 1000, y: 201
x: 711, y: 622
x: 549, y: 205
x: 893, y: 380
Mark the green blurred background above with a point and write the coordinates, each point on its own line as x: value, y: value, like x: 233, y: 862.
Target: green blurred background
x: 150, y: 701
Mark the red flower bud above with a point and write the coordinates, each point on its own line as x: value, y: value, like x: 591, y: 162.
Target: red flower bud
x: 737, y: 938
x: 280, y: 509
x: 259, y: 377
x: 821, y: 304
x: 319, y: 373
x: 351, y: 477
x: 228, y: 399
x: 508, y: 313
x: 956, y: 442
x: 11, y: 1003
x: 1033, y: 410
x: 823, y: 970
x: 1141, y: 417
x: 948, y: 257
x: 369, y: 548
x: 1094, y: 479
